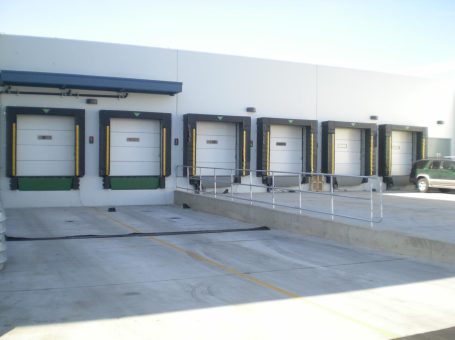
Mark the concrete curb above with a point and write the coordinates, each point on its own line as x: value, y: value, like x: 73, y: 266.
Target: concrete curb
x: 388, y: 241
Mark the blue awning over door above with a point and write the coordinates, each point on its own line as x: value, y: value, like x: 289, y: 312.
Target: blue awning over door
x: 87, y: 82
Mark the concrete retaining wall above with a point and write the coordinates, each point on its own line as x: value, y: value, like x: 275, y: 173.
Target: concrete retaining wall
x: 389, y: 241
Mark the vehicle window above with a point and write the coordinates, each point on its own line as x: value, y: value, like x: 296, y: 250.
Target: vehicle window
x: 435, y: 165
x: 448, y: 165
x: 421, y: 164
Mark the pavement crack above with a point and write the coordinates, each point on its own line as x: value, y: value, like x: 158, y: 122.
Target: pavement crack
x: 112, y: 284
x: 325, y: 266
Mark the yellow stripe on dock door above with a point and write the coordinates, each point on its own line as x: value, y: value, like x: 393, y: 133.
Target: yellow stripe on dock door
x: 267, y: 165
x: 164, y: 152
x: 244, y: 153
x: 312, y: 153
x: 77, y: 151
x: 13, y: 145
x: 423, y: 147
x: 371, y: 155
x: 333, y: 152
x: 193, y: 164
x: 389, y: 159
x: 108, y: 150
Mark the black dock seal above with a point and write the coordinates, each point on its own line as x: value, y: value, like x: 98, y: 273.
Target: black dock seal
x: 162, y: 233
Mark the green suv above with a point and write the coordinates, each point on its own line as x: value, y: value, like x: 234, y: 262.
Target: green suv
x: 433, y: 173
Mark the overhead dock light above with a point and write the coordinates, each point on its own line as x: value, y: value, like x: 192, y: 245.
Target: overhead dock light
x: 92, y: 101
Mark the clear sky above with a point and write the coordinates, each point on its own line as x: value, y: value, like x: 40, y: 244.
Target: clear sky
x: 404, y: 36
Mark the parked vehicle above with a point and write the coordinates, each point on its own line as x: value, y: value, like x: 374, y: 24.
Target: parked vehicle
x: 433, y: 173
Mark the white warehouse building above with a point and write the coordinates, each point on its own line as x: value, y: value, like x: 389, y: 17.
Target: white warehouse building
x: 97, y: 124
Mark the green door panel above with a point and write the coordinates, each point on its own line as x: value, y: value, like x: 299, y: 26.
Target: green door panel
x: 45, y: 183
x: 448, y: 173
x: 434, y: 172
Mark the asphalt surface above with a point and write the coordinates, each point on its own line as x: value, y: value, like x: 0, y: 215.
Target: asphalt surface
x: 245, y: 284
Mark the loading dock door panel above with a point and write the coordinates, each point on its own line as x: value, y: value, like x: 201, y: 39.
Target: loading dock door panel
x: 286, y: 145
x: 45, y: 145
x: 401, y: 153
x: 347, y: 151
x: 216, y: 147
x: 135, y: 147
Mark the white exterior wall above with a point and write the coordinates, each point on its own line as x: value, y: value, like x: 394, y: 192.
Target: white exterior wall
x: 66, y: 56
x: 212, y: 84
x: 226, y: 85
x: 345, y: 94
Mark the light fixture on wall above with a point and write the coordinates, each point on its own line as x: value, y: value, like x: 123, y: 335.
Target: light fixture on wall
x: 374, y: 117
x: 251, y: 109
x: 92, y: 101
x: 440, y: 122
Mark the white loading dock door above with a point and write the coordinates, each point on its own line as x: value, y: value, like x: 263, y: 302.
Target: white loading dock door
x: 135, y: 147
x: 216, y: 147
x: 401, y: 153
x: 286, y: 145
x: 347, y: 151
x: 45, y: 145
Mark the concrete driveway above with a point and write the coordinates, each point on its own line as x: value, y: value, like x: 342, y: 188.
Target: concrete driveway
x: 240, y: 284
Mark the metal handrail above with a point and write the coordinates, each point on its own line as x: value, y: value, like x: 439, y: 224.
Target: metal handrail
x: 213, y: 178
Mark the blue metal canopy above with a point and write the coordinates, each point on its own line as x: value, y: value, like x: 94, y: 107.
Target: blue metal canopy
x: 84, y: 82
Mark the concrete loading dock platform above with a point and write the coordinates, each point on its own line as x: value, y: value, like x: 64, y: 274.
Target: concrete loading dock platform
x: 414, y: 225
x: 245, y: 284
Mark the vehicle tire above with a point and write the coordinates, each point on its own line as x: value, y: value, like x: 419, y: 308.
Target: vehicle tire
x: 422, y: 185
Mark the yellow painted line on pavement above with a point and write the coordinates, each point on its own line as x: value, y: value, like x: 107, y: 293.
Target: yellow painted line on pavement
x: 254, y: 280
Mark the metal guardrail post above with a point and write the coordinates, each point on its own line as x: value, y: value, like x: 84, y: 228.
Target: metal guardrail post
x: 200, y: 181
x: 232, y: 187
x: 300, y: 193
x: 371, y: 202
x: 214, y: 180
x: 251, y: 188
x: 187, y: 179
x: 273, y: 190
